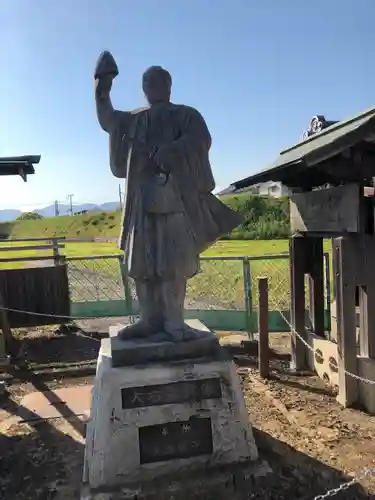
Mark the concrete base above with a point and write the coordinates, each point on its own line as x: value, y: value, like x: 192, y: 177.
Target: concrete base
x: 234, y: 482
x: 167, y: 422
x: 325, y: 363
x: 155, y: 348
x: 325, y: 359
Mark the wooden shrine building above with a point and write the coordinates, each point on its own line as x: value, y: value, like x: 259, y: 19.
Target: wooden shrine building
x: 18, y: 165
x: 329, y: 173
x: 22, y: 166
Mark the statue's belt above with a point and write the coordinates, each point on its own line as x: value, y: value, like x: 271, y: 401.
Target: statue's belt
x: 161, y: 194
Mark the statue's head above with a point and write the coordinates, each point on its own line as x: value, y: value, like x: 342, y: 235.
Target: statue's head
x: 157, y: 84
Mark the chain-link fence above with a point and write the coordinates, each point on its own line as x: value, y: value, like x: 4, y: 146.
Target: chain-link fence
x: 276, y: 269
x: 218, y: 285
x: 95, y: 278
x: 223, y: 283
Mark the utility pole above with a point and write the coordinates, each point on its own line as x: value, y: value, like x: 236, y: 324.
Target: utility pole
x: 70, y: 196
x: 56, y: 208
x: 120, y: 194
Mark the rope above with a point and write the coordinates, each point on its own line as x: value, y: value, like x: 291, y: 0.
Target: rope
x: 48, y: 315
x: 350, y: 374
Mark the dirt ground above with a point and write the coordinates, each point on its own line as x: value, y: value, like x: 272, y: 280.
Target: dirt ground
x: 310, y: 442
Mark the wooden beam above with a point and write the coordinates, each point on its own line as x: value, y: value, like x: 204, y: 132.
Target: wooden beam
x: 346, y: 318
x: 297, y: 247
x: 333, y: 210
x: 315, y: 270
x: 366, y: 260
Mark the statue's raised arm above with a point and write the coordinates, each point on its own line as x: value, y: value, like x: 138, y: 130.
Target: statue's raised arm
x: 114, y: 122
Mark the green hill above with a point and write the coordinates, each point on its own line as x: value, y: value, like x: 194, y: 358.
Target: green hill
x: 264, y: 218
x: 89, y: 225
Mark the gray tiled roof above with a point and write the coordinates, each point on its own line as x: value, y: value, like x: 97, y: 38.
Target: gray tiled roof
x: 316, y: 148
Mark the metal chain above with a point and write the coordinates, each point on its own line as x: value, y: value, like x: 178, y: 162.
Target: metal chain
x: 350, y: 374
x: 367, y: 472
x: 345, y: 486
x: 33, y: 313
x: 330, y: 493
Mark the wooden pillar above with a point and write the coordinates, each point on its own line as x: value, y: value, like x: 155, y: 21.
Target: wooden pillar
x: 345, y: 250
x: 333, y: 269
x: 366, y: 257
x: 297, y: 314
x: 315, y: 270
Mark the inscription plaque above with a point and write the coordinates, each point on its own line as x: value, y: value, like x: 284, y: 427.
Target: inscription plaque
x: 175, y: 392
x: 158, y: 443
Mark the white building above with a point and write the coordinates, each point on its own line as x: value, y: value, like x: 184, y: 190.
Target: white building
x: 270, y: 188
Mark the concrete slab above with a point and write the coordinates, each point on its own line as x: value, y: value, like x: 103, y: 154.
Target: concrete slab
x: 66, y: 402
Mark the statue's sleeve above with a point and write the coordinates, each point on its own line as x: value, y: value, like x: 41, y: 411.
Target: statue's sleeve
x: 190, y: 152
x: 116, y: 123
x: 194, y: 131
x: 119, y: 144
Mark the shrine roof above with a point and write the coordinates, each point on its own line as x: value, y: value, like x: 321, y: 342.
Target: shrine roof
x: 18, y: 165
x: 315, y: 148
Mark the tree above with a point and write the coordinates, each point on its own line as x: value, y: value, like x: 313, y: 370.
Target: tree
x: 30, y: 216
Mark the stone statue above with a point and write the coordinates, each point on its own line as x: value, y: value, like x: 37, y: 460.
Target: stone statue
x: 170, y: 214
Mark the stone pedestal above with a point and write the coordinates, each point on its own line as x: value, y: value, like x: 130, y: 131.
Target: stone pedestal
x: 163, y: 429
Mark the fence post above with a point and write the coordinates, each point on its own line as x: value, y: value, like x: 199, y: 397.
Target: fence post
x: 263, y: 342
x: 57, y: 258
x: 248, y: 297
x: 7, y: 342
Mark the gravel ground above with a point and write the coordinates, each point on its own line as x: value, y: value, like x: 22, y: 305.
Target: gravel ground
x: 311, y: 443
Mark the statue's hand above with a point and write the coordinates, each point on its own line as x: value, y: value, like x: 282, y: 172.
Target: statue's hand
x: 164, y: 156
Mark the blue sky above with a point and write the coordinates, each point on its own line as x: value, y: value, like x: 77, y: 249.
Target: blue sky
x: 258, y: 70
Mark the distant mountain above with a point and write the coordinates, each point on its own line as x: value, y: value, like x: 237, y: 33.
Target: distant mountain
x: 64, y: 209
x: 8, y: 215
x: 110, y: 205
x: 84, y: 207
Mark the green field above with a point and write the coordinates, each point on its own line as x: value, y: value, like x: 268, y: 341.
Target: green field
x: 228, y: 248
x: 220, y: 285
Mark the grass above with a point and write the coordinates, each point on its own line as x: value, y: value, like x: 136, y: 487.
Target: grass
x: 90, y: 225
x: 263, y: 218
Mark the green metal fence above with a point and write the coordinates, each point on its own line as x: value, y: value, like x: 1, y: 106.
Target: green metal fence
x: 223, y: 295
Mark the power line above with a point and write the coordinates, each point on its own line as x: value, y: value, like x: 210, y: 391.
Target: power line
x: 120, y: 194
x: 70, y: 196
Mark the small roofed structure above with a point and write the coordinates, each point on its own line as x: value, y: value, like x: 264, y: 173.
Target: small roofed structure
x: 336, y: 153
x: 331, y: 173
x: 19, y: 165
x: 23, y: 166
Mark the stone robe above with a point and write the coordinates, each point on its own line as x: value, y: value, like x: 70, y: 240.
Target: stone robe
x: 165, y: 243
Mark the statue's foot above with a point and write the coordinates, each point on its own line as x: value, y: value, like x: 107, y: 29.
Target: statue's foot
x: 139, y: 330
x: 184, y: 333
